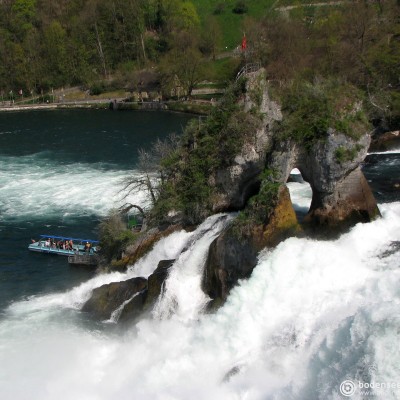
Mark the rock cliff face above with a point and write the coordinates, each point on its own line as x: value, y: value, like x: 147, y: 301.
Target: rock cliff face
x: 236, y: 183
x: 233, y: 255
x: 385, y: 141
x: 341, y: 195
x: 331, y: 167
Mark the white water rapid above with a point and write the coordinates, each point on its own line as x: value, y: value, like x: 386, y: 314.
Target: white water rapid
x: 32, y: 185
x: 313, y: 314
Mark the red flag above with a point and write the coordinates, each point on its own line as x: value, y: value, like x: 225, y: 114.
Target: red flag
x: 244, y: 42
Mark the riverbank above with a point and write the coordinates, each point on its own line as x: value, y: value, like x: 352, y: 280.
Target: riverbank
x: 51, y: 106
x: 202, y: 107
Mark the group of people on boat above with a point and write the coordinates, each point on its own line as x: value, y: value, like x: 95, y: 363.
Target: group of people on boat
x: 59, y: 244
x: 66, y: 244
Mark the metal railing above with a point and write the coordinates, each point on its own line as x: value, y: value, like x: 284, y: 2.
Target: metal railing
x: 248, y: 68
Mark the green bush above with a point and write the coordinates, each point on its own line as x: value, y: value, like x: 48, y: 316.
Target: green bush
x: 240, y: 7
x: 310, y: 109
x: 97, y: 88
x: 344, y: 154
x: 114, y: 235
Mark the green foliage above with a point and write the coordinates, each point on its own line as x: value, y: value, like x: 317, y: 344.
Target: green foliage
x: 231, y: 24
x: 345, y: 154
x: 311, y: 109
x: 48, y: 43
x: 24, y: 13
x: 307, y: 114
x: 394, y: 110
x: 219, y: 8
x: 357, y: 42
x: 261, y: 205
x: 114, y: 235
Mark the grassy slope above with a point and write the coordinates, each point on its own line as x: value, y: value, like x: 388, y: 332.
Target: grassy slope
x: 231, y: 23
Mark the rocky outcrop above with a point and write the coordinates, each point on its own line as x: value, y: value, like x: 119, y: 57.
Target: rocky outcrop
x: 107, y: 298
x: 142, y: 245
x: 235, y: 184
x: 250, y: 176
x: 133, y: 296
x: 341, y: 195
x: 233, y: 255
x: 156, y: 281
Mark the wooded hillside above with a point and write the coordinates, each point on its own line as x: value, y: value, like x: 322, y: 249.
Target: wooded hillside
x: 101, y: 44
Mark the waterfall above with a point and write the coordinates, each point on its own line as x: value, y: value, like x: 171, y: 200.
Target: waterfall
x: 182, y: 295
x: 314, y: 318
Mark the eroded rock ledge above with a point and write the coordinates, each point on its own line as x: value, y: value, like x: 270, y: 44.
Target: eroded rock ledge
x: 252, y: 181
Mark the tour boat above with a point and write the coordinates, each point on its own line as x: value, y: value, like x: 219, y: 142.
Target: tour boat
x: 57, y: 245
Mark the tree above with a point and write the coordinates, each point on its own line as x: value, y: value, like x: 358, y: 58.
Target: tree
x: 57, y: 60
x: 114, y: 235
x: 183, y: 62
x: 211, y: 37
x: 151, y: 171
x: 23, y: 16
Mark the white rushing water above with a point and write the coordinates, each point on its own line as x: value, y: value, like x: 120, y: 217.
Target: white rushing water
x: 32, y: 185
x: 312, y: 315
x: 393, y: 151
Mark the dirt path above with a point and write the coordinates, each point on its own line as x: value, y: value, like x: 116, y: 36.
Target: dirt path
x: 328, y: 3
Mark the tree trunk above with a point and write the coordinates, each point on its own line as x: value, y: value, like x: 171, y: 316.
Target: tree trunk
x: 100, y: 50
x: 143, y: 48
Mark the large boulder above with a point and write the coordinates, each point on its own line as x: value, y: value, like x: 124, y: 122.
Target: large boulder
x: 107, y: 298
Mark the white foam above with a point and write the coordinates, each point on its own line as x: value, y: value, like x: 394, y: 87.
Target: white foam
x: 182, y: 296
x: 301, y: 195
x: 393, y: 151
x: 33, y: 187
x: 118, y: 311
x: 167, y: 248
x: 313, y: 314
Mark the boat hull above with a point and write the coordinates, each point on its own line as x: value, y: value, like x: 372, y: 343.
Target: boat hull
x: 38, y: 248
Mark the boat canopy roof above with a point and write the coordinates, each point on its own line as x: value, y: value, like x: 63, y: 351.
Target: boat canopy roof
x: 68, y: 238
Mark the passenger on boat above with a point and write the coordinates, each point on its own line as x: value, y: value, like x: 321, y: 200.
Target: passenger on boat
x: 87, y: 247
